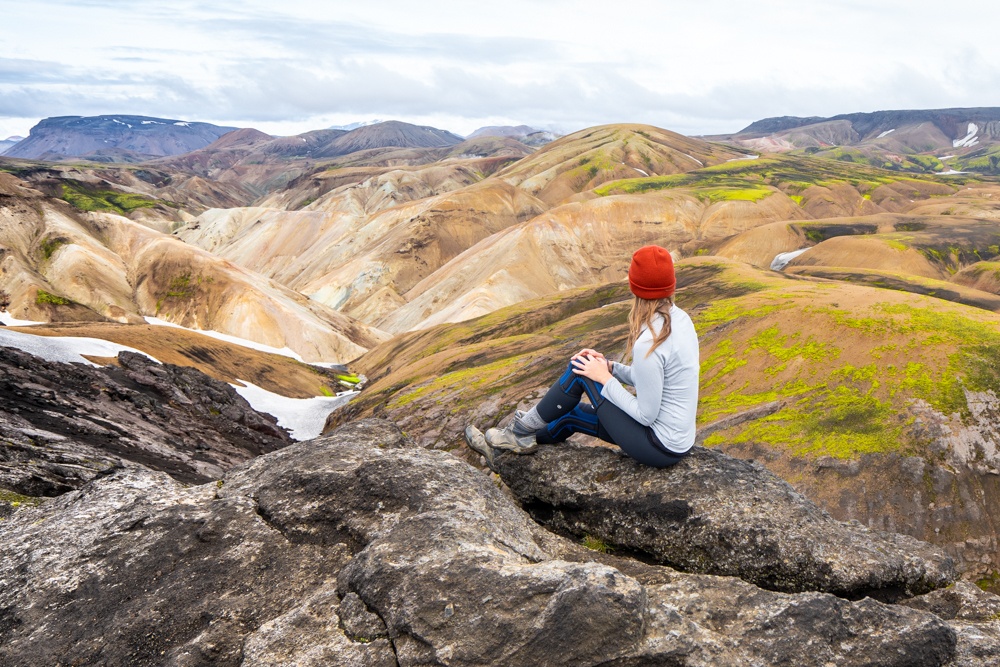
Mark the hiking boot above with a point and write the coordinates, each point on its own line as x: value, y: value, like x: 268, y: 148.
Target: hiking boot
x: 477, y: 443
x: 509, y: 440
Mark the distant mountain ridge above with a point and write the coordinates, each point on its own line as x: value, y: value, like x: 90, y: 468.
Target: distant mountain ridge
x: 523, y: 133
x: 952, y: 122
x: 119, y: 137
x: 7, y: 143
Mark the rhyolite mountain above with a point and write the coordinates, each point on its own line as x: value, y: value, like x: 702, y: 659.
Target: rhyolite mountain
x: 133, y: 137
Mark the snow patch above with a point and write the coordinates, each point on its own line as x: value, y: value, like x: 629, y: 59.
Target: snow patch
x: 181, y: 123
x: 886, y: 133
x: 64, y: 349
x: 10, y: 321
x: 950, y: 172
x: 695, y: 159
x: 969, y: 139
x: 151, y: 122
x: 284, y: 351
x: 303, y: 417
x: 743, y: 157
x: 782, y: 259
x: 640, y: 171
x: 946, y: 157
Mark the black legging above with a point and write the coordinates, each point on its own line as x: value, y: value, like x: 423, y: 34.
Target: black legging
x: 561, y: 408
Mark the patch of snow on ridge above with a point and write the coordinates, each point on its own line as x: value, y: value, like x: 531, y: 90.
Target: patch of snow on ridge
x: 10, y: 321
x: 64, y: 349
x: 640, y: 171
x: 181, y: 123
x: 782, y: 259
x: 886, y: 133
x: 743, y: 157
x: 303, y: 417
x: 969, y: 140
x: 946, y: 157
x: 695, y: 159
x: 284, y: 351
x: 950, y: 172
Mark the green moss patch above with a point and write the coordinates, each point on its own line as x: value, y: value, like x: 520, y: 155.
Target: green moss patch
x: 123, y: 203
x: 43, y: 298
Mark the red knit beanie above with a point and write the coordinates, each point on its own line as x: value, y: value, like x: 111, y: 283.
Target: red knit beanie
x: 651, y: 275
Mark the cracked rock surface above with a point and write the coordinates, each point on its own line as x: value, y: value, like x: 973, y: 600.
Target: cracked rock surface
x: 715, y: 514
x: 359, y: 548
x: 61, y: 424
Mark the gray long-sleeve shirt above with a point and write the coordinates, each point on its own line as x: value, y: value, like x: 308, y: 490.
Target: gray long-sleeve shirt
x: 666, y: 382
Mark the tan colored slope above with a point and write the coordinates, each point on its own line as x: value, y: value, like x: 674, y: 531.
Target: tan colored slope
x: 380, y: 186
x: 60, y: 265
x: 221, y: 360
x: 584, y: 160
x: 575, y: 244
x: 983, y: 276
x: 399, y: 247
x: 869, y: 252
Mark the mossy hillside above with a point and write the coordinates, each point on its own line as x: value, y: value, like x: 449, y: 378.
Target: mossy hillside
x: 845, y: 360
x: 845, y: 365
x: 940, y: 289
x: 881, y: 159
x: 436, y: 381
x: 84, y: 198
x: 986, y: 160
x: 802, y: 177
x: 950, y: 243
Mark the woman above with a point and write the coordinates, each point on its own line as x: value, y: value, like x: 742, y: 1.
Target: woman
x: 657, y: 425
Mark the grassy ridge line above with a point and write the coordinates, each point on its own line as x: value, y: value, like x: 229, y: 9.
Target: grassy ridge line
x: 791, y: 174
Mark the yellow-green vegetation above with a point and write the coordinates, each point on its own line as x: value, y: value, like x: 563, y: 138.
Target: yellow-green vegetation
x: 85, y: 199
x: 986, y: 160
x: 43, y: 298
x: 715, y: 195
x: 596, y: 544
x: 872, y: 157
x: 17, y: 500
x: 50, y: 245
x: 845, y: 391
x: 183, y: 286
x: 801, y: 177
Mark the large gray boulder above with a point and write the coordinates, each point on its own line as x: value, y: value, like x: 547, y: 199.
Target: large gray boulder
x: 714, y: 514
x: 361, y: 549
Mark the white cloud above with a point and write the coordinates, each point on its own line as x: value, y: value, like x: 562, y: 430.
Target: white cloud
x: 704, y: 67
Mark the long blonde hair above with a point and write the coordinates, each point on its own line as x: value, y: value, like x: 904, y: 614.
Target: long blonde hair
x: 642, y: 313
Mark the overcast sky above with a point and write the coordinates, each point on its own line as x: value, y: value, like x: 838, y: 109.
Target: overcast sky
x: 702, y: 67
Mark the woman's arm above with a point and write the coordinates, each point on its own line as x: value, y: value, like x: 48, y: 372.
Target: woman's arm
x: 644, y: 407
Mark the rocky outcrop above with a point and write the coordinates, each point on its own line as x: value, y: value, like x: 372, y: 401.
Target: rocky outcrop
x: 718, y: 515
x: 63, y: 424
x: 973, y: 614
x: 360, y: 548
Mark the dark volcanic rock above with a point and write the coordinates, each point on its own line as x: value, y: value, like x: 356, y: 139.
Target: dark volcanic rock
x: 715, y: 514
x: 359, y: 548
x: 973, y: 614
x: 63, y: 423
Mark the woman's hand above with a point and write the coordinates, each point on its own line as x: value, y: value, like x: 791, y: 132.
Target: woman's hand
x: 587, y: 352
x: 595, y: 368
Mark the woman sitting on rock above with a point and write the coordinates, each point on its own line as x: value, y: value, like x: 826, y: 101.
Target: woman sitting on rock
x: 657, y: 425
